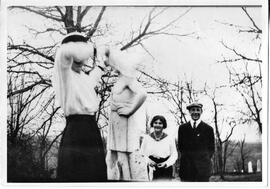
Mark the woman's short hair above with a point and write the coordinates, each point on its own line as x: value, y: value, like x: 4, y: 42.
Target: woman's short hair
x: 161, y: 118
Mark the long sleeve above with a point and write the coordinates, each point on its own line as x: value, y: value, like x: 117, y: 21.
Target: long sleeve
x: 180, y: 139
x: 128, y: 96
x: 75, y: 92
x: 95, y: 75
x: 64, y: 58
x: 73, y: 51
x: 139, y: 96
x: 174, y: 155
x: 163, y: 149
x: 211, y: 145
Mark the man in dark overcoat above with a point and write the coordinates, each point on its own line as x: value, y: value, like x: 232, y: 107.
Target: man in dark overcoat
x: 196, y: 144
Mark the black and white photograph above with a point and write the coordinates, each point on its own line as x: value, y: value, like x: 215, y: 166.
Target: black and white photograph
x: 149, y: 94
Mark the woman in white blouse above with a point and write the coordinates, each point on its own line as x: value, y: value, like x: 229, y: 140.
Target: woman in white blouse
x: 160, y: 150
x: 81, y: 155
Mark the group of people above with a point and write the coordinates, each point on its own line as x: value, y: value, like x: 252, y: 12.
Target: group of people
x: 81, y: 156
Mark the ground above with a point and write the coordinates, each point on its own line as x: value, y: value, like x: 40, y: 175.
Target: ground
x: 252, y: 177
x: 234, y: 177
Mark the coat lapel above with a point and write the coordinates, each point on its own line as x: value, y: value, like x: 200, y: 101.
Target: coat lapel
x: 189, y: 125
x: 200, y: 125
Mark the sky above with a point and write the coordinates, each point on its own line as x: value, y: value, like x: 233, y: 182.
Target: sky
x: 192, y: 58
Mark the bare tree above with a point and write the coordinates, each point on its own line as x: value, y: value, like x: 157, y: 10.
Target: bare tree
x: 247, y: 81
x: 222, y: 143
x: 22, y: 126
x: 30, y: 94
x: 177, y: 93
x: 31, y: 99
x: 244, y: 154
x: 146, y: 32
x: 228, y: 151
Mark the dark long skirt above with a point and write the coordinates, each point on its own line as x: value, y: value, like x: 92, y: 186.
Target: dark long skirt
x: 161, y: 173
x: 81, y: 154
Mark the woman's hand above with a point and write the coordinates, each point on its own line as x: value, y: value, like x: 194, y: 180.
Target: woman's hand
x: 115, y: 106
x: 151, y: 163
x: 124, y: 110
x: 102, y: 54
x: 162, y: 165
x: 107, y: 55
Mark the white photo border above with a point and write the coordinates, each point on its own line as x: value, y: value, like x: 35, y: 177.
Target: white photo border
x: 199, y: 3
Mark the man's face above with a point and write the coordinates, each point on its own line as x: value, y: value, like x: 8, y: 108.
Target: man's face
x: 195, y: 113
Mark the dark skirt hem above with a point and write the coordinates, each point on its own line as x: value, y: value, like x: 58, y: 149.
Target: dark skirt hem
x: 81, y: 156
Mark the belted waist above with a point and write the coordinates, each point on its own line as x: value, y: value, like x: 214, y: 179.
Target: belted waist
x: 80, y: 117
x: 158, y: 160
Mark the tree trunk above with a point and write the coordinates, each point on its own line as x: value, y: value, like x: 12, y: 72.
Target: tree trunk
x: 220, y: 162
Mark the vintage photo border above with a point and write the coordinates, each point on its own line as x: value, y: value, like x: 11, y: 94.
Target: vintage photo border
x: 199, y: 3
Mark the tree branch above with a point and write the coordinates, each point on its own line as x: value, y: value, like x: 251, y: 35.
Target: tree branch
x: 30, y: 49
x: 94, y: 28
x: 39, y: 12
x: 251, y: 19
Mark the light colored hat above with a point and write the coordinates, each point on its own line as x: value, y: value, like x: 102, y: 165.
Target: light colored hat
x: 125, y: 63
x: 194, y: 104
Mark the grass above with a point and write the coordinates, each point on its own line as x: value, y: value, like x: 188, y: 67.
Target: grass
x: 247, y: 177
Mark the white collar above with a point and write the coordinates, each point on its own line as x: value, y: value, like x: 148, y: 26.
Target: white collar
x: 197, y: 122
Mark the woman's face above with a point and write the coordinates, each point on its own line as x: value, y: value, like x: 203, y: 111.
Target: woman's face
x: 77, y: 66
x: 158, y: 125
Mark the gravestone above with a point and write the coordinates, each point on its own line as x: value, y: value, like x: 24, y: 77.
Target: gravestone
x: 259, y: 166
x: 250, y: 170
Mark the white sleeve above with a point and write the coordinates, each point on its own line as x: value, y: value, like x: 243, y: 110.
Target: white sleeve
x: 61, y: 70
x: 77, y: 51
x: 95, y: 75
x: 173, y: 153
